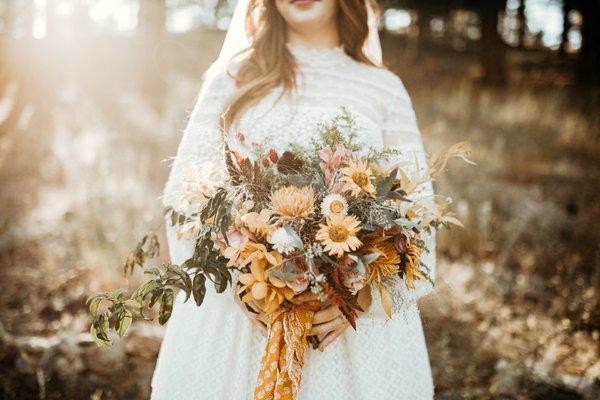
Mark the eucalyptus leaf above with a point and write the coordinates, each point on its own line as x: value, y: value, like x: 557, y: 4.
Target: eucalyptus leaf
x: 369, y: 258
x: 284, y: 275
x: 296, y: 241
x: 360, y: 266
x: 406, y: 223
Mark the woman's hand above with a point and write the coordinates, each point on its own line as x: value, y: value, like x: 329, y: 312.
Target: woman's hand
x: 331, y: 322
x: 256, y: 318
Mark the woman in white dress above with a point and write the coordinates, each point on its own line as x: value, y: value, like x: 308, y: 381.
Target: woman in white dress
x: 306, y: 59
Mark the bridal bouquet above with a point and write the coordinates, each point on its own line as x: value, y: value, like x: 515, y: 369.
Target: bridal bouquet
x: 302, y: 228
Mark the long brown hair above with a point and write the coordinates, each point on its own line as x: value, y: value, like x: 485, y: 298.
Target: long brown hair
x: 268, y: 63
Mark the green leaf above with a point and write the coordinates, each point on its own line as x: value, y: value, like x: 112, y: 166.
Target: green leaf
x: 94, y: 303
x: 285, y: 275
x: 141, y: 292
x: 359, y: 263
x: 199, y: 290
x: 186, y: 281
x: 99, y: 330
x: 384, y: 187
x: 166, y: 306
x: 156, y: 296
x: 123, y: 323
x: 369, y: 258
x: 134, y: 306
x: 406, y: 223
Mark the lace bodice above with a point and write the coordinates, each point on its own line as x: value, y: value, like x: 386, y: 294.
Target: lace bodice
x: 327, y: 81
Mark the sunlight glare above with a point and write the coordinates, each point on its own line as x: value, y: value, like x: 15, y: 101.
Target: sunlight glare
x: 39, y: 26
x: 120, y: 14
x: 395, y: 19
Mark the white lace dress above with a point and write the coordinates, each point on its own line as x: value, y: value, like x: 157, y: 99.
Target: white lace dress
x: 213, y: 352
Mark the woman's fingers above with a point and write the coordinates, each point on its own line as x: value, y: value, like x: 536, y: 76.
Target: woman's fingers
x: 262, y: 318
x: 258, y: 319
x: 327, y: 314
x: 326, y: 327
x: 331, y: 336
x: 262, y: 328
x: 305, y: 297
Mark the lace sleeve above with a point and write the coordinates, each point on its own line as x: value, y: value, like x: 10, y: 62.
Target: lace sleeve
x: 400, y: 131
x: 202, y: 143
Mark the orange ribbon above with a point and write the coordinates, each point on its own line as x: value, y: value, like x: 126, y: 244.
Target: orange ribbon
x: 283, y: 357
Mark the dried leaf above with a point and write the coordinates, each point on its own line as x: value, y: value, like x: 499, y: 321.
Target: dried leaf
x: 386, y: 301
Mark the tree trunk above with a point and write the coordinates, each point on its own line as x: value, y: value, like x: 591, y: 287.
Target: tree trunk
x: 589, y: 65
x: 564, y: 43
x: 522, y: 23
x: 492, y: 47
x: 424, y: 29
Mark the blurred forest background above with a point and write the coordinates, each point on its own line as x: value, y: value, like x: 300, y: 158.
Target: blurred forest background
x: 94, y: 95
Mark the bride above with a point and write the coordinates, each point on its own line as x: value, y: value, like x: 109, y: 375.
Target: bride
x: 287, y: 65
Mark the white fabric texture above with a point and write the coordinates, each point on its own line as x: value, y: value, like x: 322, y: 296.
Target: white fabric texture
x: 213, y: 352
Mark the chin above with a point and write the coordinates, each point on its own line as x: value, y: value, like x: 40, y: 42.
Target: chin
x: 303, y: 14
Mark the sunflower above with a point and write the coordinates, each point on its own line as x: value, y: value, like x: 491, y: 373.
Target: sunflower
x: 339, y: 234
x: 357, y: 177
x: 293, y: 202
x: 387, y: 264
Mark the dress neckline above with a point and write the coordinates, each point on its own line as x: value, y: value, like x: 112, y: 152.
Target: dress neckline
x: 318, y: 56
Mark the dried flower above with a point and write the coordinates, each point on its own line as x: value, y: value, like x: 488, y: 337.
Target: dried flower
x: 339, y: 234
x: 288, y: 163
x: 401, y: 243
x: 282, y: 241
x: 354, y: 281
x: 334, y: 204
x: 333, y: 160
x: 357, y: 178
x: 263, y: 286
x: 410, y: 265
x: 387, y: 264
x: 258, y: 223
x: 293, y: 202
x: 273, y: 156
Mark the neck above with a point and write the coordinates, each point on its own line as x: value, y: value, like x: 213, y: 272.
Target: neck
x: 324, y: 38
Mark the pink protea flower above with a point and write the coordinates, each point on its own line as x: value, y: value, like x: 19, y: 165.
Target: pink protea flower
x: 332, y: 160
